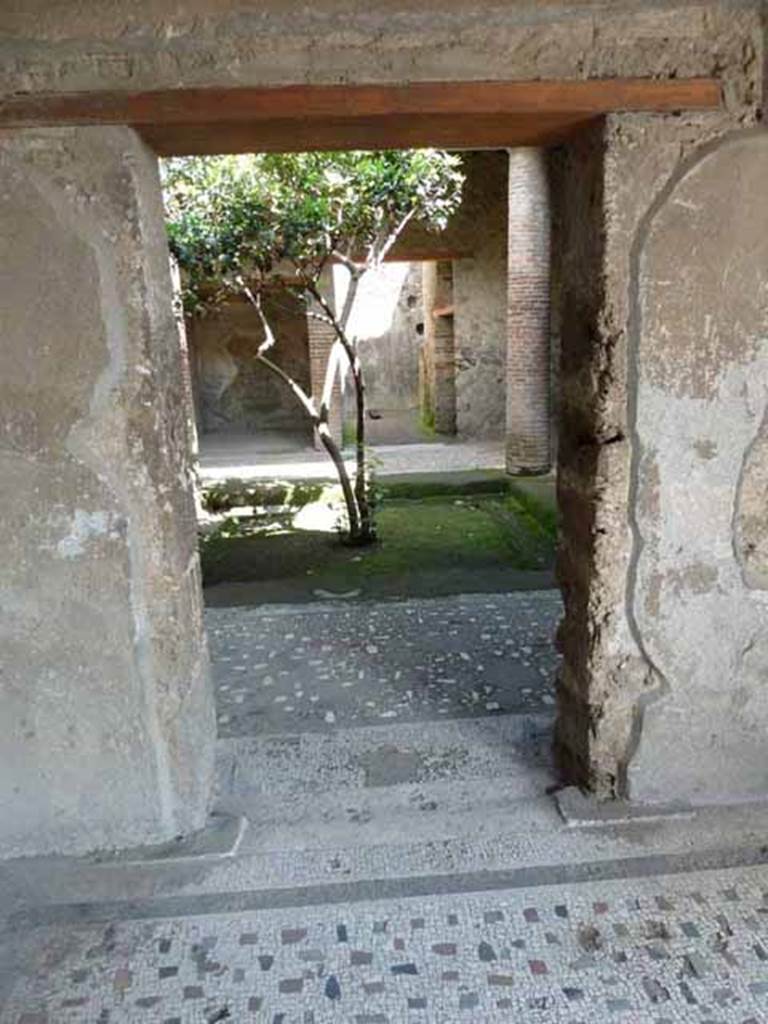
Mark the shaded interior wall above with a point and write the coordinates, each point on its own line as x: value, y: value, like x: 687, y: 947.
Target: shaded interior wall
x: 480, y: 301
x: 387, y: 312
x: 234, y: 393
x: 106, y: 713
x: 437, y: 358
x: 663, y: 256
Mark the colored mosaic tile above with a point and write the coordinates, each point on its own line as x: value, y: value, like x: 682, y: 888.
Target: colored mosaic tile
x: 638, y: 962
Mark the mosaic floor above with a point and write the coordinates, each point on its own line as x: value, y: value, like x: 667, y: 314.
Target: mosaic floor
x: 404, y: 861
x: 655, y: 950
x: 315, y: 667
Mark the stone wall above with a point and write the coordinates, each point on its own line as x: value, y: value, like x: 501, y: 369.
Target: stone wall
x: 106, y: 723
x: 597, y: 687
x: 155, y: 44
x: 234, y: 392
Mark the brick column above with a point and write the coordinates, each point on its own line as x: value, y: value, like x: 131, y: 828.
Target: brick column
x: 528, y: 309
x: 321, y: 338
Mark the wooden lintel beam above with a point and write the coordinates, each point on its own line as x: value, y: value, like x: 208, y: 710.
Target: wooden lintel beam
x: 405, y: 131
x: 587, y: 98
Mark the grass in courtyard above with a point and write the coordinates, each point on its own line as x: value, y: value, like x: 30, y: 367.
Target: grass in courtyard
x: 442, y: 542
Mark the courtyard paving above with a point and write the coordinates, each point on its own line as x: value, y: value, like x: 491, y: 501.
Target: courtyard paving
x: 224, y: 456
x: 295, y: 668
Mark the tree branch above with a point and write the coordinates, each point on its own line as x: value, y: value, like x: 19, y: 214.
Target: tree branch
x: 303, y: 397
x: 345, y: 260
x: 393, y: 237
x: 349, y: 298
x: 340, y: 333
x: 266, y: 345
x: 331, y: 369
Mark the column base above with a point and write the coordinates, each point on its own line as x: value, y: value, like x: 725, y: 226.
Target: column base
x: 536, y: 469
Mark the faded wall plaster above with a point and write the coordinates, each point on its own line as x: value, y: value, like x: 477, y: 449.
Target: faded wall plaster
x: 604, y: 185
x: 701, y: 476
x: 387, y: 310
x: 107, y: 728
x: 480, y: 301
x: 237, y: 394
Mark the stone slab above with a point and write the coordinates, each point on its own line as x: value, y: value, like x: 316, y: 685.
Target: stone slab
x: 583, y: 810
x: 221, y: 837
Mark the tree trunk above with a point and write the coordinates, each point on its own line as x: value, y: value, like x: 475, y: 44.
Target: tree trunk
x: 362, y: 492
x: 367, y: 532
x: 320, y: 423
x: 326, y: 439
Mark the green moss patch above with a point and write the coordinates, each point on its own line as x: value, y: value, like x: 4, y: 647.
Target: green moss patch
x: 440, y: 536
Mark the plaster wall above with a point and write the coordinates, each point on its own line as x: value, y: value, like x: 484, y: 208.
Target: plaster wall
x: 480, y: 301
x: 387, y: 310
x: 698, y: 583
x: 107, y: 726
x: 234, y: 392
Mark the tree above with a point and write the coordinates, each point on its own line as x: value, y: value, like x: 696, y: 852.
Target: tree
x: 241, y: 224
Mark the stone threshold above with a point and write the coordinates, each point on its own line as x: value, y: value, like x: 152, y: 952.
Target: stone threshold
x: 250, y: 900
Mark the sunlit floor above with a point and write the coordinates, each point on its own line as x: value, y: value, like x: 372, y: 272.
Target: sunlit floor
x: 224, y: 456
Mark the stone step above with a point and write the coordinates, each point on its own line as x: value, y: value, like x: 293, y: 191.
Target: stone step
x: 713, y: 837
x: 391, y: 815
x: 510, y: 747
x: 383, y: 785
